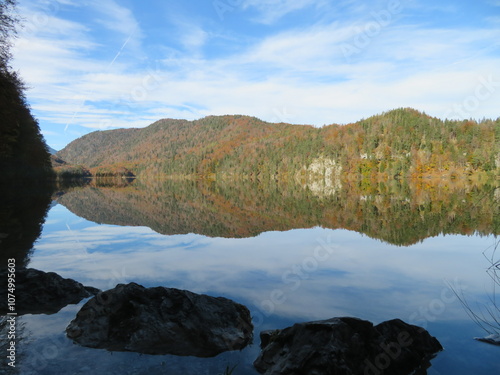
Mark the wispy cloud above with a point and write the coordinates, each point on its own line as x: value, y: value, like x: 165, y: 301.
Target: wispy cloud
x: 358, y: 271
x: 116, y: 17
x: 190, y: 35
x: 110, y: 70
x: 272, y: 10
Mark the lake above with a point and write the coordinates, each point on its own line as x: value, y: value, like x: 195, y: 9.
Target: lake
x: 373, y: 252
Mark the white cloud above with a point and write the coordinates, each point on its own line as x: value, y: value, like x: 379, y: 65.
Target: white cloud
x: 355, y: 272
x: 302, y: 71
x: 117, y: 18
x: 272, y: 10
x: 194, y: 38
x: 189, y: 33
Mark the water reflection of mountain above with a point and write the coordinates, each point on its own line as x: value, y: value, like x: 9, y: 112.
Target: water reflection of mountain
x: 395, y: 213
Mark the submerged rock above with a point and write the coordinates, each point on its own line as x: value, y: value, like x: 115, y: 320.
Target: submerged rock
x: 39, y: 292
x: 346, y: 346
x: 490, y: 339
x: 161, y: 321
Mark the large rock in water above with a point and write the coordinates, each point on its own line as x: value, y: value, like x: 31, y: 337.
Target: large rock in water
x: 38, y: 292
x: 346, y: 346
x: 161, y: 321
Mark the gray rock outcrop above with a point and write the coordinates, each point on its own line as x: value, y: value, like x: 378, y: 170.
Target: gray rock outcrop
x: 346, y: 346
x: 161, y: 321
x: 39, y: 292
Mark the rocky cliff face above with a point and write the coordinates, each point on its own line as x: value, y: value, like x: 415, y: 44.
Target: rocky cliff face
x: 322, y: 177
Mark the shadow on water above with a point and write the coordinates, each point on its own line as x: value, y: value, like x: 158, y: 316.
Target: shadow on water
x: 23, y: 208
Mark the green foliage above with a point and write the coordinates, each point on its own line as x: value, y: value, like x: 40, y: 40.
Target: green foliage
x: 70, y: 172
x: 398, y: 144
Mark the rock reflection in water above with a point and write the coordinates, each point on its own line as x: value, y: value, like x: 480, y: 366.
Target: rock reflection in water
x: 38, y: 292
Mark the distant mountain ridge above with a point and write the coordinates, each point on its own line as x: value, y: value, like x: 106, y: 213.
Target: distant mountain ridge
x: 399, y: 143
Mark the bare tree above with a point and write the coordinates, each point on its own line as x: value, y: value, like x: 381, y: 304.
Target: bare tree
x: 487, y: 316
x: 9, y: 21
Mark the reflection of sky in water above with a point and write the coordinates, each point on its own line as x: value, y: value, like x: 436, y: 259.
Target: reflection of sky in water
x: 283, y: 277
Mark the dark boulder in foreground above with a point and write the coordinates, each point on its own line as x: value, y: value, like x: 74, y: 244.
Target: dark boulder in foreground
x: 38, y: 292
x: 347, y: 346
x: 161, y: 321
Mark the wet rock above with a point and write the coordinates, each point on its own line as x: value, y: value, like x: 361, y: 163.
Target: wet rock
x: 161, y: 321
x: 38, y: 292
x: 346, y: 346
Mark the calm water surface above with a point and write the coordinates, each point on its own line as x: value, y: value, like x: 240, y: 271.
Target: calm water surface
x: 317, y: 273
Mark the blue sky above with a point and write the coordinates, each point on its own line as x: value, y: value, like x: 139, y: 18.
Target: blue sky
x: 97, y: 65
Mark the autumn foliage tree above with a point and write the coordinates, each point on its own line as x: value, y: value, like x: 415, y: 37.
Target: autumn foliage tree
x: 399, y: 144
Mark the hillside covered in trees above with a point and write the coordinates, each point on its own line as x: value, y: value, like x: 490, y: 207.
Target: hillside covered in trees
x: 402, y: 143
x: 23, y: 152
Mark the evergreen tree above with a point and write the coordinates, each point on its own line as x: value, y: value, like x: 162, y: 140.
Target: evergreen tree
x: 23, y: 151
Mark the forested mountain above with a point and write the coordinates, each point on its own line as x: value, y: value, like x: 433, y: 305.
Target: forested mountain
x: 23, y: 152
x: 397, y: 144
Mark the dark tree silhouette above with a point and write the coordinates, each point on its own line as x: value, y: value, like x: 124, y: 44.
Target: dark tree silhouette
x: 23, y: 152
